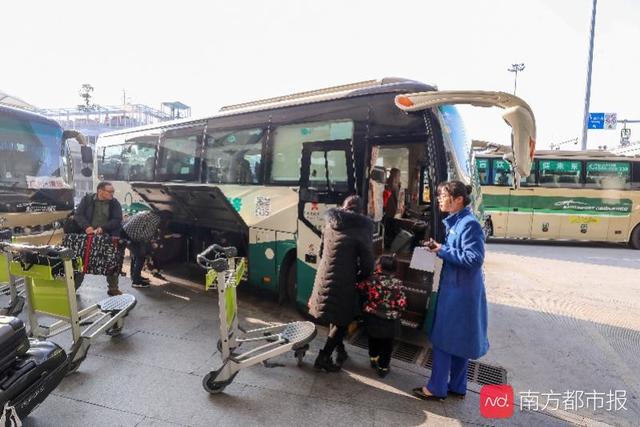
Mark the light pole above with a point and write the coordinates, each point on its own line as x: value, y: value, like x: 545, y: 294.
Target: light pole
x: 587, y: 97
x: 515, y: 68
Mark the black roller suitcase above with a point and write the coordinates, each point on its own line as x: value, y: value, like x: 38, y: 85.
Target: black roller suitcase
x: 13, y: 340
x: 31, y: 378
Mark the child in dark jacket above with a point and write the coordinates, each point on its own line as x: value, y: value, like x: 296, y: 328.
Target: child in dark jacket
x: 383, y: 304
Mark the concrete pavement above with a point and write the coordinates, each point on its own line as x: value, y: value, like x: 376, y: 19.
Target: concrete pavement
x: 549, y: 334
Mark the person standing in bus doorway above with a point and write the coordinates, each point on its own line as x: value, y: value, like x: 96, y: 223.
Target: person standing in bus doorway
x: 391, y: 198
x: 346, y: 257
x: 459, y: 331
x: 100, y: 213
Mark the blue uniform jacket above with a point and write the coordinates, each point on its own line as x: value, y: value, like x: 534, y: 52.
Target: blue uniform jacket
x: 460, y: 323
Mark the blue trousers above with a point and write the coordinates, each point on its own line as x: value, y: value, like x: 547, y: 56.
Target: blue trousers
x: 448, y: 373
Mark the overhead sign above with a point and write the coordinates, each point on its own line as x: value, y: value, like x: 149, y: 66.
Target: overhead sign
x: 603, y: 120
x: 610, y: 120
x: 596, y: 121
x: 625, y: 135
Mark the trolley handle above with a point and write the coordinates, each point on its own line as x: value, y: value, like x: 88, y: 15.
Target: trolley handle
x: 45, y: 250
x: 219, y: 252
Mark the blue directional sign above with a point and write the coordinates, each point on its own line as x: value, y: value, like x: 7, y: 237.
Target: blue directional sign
x: 596, y: 121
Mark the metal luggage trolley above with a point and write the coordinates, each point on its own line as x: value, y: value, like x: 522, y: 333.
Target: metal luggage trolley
x: 225, y: 272
x: 50, y: 291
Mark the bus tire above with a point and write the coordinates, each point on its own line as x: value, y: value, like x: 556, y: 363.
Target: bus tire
x: 487, y: 228
x: 288, y: 285
x: 634, y: 240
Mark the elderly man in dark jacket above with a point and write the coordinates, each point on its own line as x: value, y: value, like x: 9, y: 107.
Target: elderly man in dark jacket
x: 346, y: 257
x: 100, y: 213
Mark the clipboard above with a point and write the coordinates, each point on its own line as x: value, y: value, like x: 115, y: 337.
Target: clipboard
x: 423, y: 259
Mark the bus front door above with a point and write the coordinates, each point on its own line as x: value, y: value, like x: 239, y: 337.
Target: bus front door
x: 326, y: 179
x: 520, y: 214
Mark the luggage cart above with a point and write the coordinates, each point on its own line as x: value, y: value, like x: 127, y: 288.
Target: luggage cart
x: 10, y: 285
x: 224, y: 272
x: 50, y: 291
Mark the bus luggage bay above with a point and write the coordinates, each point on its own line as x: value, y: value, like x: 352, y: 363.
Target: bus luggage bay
x: 260, y: 175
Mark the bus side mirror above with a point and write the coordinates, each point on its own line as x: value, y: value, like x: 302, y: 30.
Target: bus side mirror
x: 87, y: 155
x: 86, y: 172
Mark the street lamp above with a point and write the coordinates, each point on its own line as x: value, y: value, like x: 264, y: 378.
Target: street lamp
x: 515, y: 68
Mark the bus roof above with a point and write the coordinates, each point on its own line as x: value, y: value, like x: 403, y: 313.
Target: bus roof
x: 364, y: 88
x: 21, y: 114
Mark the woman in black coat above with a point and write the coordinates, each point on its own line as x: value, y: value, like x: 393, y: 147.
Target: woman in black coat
x: 346, y: 257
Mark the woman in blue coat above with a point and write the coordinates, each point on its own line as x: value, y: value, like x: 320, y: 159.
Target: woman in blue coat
x: 459, y: 330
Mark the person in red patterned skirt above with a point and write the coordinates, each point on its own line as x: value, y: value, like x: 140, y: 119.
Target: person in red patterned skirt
x: 383, y: 303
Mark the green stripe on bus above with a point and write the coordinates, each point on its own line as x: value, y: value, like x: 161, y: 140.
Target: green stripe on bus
x: 558, y: 205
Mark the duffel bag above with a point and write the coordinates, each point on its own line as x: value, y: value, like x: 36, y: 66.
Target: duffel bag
x: 13, y: 340
x: 101, y: 254
x: 142, y: 226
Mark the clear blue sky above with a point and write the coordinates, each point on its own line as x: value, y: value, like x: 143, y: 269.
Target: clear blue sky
x: 208, y: 54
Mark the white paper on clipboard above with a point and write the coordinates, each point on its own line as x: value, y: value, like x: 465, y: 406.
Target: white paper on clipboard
x: 423, y: 260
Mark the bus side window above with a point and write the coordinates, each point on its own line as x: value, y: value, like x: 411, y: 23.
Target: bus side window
x: 608, y: 175
x: 482, y: 166
x: 502, y: 173
x: 530, y: 181
x: 635, y: 181
x: 560, y: 173
x: 110, y: 162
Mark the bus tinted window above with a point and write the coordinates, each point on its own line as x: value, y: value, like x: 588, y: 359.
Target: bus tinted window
x: 287, y: 145
x: 608, y: 175
x: 502, y: 173
x: 234, y: 157
x: 560, y: 173
x: 138, y: 160
x: 179, y: 151
x: 110, y: 162
x: 483, y: 170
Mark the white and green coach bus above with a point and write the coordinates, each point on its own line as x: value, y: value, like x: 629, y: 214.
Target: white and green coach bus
x: 260, y: 175
x: 570, y: 195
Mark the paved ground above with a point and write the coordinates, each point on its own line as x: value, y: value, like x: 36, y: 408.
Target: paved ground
x: 567, y: 318
x: 555, y: 325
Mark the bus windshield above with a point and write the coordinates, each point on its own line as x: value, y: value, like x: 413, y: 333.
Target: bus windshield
x: 454, y: 131
x: 28, y: 149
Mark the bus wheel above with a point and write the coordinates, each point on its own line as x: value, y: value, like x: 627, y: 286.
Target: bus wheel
x: 634, y: 241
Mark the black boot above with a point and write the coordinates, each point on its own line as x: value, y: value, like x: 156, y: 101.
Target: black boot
x: 341, y: 355
x: 324, y: 363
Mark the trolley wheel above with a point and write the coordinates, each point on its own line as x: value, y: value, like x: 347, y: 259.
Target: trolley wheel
x: 300, y: 353
x: 215, y: 387
x: 114, y: 332
x: 73, y: 366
